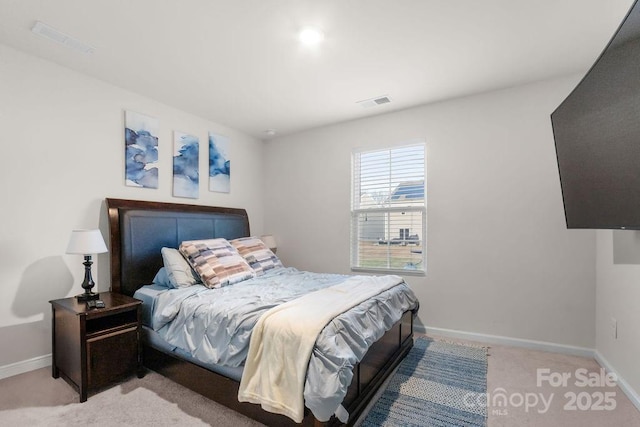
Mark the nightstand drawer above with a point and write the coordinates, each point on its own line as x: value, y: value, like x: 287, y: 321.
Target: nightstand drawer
x: 112, y: 356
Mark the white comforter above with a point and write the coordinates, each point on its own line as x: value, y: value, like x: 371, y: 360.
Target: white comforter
x: 283, y: 339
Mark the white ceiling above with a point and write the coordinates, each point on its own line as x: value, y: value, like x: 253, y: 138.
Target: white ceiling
x: 239, y: 63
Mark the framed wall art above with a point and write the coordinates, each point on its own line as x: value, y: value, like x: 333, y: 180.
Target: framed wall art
x: 141, y: 150
x: 219, y: 164
x: 186, y: 179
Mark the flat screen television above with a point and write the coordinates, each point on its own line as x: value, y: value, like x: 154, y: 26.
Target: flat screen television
x: 597, y: 137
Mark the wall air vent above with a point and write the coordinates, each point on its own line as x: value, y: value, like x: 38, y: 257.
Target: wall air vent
x: 379, y: 100
x: 50, y: 33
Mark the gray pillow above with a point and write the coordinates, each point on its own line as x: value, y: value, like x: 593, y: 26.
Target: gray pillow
x: 179, y: 272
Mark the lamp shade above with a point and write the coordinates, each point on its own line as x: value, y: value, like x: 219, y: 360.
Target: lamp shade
x: 86, y: 242
x: 269, y: 241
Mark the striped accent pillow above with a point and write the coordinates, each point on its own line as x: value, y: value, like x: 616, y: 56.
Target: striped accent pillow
x: 257, y: 254
x: 216, y: 261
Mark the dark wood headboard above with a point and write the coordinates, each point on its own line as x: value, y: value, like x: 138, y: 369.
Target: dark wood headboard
x: 138, y: 230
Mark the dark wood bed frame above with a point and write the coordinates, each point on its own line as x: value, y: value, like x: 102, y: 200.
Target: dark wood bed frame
x: 139, y: 229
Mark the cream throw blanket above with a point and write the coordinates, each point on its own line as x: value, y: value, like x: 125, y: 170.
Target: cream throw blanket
x: 283, y: 339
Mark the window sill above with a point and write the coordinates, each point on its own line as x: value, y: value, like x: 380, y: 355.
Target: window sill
x: 400, y: 272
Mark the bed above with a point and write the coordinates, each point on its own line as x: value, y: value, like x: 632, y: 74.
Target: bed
x: 138, y: 232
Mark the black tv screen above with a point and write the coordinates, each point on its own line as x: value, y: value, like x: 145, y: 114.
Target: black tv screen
x: 597, y: 137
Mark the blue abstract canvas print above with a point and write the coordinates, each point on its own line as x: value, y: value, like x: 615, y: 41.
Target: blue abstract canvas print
x: 219, y: 164
x: 141, y: 150
x: 186, y: 179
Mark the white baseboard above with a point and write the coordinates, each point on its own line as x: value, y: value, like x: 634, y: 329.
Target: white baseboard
x: 25, y: 366
x: 624, y: 386
x: 513, y: 342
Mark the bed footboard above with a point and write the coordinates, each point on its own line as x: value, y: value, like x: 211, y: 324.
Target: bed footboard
x: 379, y: 362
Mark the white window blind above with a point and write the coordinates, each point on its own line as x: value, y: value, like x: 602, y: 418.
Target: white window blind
x: 388, y: 209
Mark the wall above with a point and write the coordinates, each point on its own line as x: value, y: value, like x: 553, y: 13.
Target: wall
x: 617, y: 296
x: 500, y: 259
x: 62, y: 143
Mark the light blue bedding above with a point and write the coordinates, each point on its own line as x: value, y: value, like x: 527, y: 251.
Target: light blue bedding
x: 214, y: 326
x: 148, y: 295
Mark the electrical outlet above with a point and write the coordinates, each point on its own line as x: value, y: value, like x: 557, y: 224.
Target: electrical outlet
x: 614, y: 328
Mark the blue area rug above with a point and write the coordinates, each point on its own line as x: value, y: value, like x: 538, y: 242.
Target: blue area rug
x: 437, y: 384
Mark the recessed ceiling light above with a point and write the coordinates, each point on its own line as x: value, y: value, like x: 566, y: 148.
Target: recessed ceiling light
x: 310, y: 36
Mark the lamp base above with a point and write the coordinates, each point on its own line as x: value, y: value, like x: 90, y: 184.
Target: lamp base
x: 87, y: 296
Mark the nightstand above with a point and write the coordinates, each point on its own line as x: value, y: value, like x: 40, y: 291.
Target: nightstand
x: 93, y: 347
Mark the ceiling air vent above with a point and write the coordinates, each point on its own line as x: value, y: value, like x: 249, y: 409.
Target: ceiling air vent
x: 50, y: 33
x: 379, y: 100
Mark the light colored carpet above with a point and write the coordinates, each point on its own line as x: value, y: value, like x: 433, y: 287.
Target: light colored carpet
x: 515, y: 370
x: 150, y: 401
x: 36, y: 399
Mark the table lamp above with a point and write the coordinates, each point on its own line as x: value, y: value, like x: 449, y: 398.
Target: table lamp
x: 270, y: 242
x: 86, y: 242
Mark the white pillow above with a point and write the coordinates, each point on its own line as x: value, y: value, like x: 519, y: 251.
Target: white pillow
x: 179, y: 271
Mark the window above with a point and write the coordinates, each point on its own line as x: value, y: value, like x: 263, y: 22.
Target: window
x: 388, y: 209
